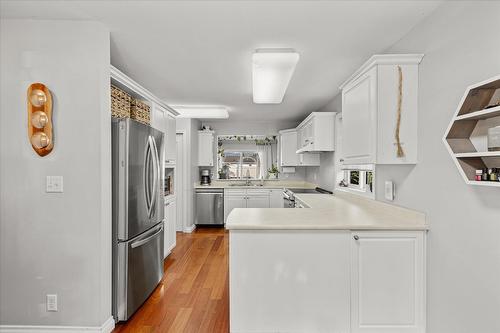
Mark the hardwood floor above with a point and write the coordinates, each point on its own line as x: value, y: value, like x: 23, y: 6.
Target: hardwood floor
x: 194, y: 293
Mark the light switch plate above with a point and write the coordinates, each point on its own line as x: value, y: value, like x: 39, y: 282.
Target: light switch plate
x: 54, y: 184
x: 389, y: 190
x: 52, y: 302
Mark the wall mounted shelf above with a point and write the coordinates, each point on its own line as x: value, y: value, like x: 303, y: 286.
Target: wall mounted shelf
x: 466, y: 136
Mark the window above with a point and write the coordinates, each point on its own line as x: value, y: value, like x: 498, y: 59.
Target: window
x: 240, y: 165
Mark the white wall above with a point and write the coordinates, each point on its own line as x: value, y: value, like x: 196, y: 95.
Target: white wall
x: 190, y: 128
x: 460, y: 42
x: 55, y: 242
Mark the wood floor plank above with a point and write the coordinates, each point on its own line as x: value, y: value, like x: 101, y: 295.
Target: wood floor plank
x: 193, y: 295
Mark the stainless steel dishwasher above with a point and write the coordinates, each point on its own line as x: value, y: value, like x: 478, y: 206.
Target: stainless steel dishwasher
x: 209, y: 206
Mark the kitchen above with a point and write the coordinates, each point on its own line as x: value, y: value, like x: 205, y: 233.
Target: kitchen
x: 235, y: 168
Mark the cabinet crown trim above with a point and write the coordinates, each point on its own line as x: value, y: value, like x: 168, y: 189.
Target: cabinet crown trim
x: 385, y: 59
x: 314, y: 114
x: 126, y: 81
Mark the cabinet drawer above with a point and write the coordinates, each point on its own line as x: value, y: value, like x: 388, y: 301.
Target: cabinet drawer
x: 258, y: 192
x: 234, y: 192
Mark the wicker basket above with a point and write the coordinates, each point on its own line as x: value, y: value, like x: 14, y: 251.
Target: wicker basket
x: 140, y: 111
x: 120, y: 103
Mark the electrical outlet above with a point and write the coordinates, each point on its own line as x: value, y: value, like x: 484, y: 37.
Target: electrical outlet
x: 389, y: 190
x: 52, y: 302
x: 54, y: 184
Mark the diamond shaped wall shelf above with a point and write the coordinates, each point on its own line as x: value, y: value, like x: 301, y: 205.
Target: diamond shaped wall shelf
x: 467, y: 135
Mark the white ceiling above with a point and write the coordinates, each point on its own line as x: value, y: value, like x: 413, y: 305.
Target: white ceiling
x: 200, y: 52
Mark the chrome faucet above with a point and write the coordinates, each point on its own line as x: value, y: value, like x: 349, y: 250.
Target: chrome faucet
x: 248, y: 182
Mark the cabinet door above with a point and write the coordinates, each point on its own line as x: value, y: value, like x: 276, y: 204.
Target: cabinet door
x: 158, y: 118
x: 233, y: 201
x: 172, y: 221
x: 288, y: 145
x: 359, y: 106
x: 257, y: 201
x: 166, y: 226
x: 205, y: 149
x: 388, y: 282
x: 170, y: 146
x: 276, y: 198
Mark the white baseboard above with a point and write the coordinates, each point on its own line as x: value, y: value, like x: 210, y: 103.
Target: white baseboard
x: 190, y: 229
x: 107, y: 327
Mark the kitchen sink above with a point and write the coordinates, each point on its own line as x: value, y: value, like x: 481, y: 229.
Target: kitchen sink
x: 245, y: 185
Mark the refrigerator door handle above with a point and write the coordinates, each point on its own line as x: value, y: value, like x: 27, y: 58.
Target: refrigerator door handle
x: 147, y: 159
x: 151, y: 189
x: 156, y: 175
x: 147, y: 239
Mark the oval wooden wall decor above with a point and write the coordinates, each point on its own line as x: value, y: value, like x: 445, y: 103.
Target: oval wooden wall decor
x: 40, y: 118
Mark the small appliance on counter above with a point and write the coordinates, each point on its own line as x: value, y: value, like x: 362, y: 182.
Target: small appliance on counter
x: 205, y: 177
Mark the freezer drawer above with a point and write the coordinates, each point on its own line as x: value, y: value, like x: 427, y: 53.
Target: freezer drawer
x: 139, y: 270
x: 209, y: 207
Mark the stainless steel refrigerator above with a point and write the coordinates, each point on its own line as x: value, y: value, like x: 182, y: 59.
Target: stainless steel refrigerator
x: 138, y: 211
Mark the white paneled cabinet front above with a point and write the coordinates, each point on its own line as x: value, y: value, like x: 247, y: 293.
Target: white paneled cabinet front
x: 316, y: 133
x: 163, y: 121
x: 335, y: 281
x: 288, y: 148
x: 170, y: 227
x: 205, y: 148
x: 245, y: 198
x: 373, y: 124
x: 359, y: 119
x: 170, y: 143
x: 276, y: 198
x: 233, y: 199
x: 388, y: 282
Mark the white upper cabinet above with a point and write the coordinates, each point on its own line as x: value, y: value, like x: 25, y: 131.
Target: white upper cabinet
x: 373, y: 124
x: 170, y: 146
x: 288, y: 151
x: 317, y: 133
x: 163, y: 121
x: 288, y: 148
x: 206, y: 148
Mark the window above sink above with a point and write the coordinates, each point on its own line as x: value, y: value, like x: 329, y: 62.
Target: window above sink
x: 245, y: 156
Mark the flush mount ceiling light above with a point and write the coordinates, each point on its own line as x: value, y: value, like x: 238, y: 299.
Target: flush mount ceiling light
x: 202, y: 112
x: 272, y: 71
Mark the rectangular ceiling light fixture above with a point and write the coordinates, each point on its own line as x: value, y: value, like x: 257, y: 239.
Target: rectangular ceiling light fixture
x: 272, y: 71
x: 202, y: 112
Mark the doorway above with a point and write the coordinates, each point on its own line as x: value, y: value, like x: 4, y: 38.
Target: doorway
x: 180, y: 183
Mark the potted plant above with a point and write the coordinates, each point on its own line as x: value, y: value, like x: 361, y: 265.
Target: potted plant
x: 272, y: 173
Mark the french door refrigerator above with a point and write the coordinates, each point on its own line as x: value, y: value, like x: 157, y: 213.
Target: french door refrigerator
x: 138, y: 211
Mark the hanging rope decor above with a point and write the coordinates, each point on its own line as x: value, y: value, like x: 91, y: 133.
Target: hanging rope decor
x: 400, y: 151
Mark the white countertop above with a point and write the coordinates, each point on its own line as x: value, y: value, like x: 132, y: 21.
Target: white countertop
x: 269, y: 184
x: 341, y: 211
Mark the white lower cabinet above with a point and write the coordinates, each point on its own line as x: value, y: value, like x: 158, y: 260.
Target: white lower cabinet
x: 335, y: 281
x: 233, y: 200
x: 276, y: 198
x: 388, y: 282
x: 258, y: 201
x: 245, y: 198
x: 170, y: 227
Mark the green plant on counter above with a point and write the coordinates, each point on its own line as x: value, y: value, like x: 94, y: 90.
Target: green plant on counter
x: 273, y: 170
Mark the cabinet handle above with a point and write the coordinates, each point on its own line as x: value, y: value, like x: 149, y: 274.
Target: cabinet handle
x: 356, y: 237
